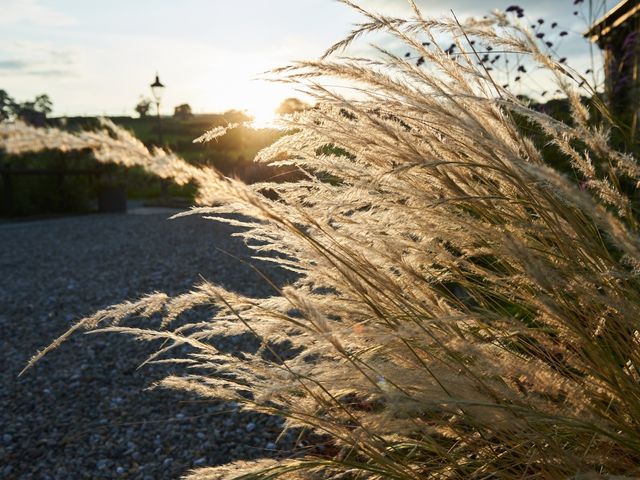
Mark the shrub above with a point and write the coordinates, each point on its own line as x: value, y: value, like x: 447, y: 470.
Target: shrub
x: 48, y: 193
x: 463, y: 309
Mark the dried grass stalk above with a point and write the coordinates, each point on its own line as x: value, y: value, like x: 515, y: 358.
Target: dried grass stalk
x: 463, y: 309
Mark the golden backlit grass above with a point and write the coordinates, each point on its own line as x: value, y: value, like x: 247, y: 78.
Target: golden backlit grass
x: 463, y: 310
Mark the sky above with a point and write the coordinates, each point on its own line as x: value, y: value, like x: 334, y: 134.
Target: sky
x: 98, y: 58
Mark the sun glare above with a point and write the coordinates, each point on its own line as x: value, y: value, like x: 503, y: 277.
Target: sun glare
x: 264, y: 115
x: 241, y: 88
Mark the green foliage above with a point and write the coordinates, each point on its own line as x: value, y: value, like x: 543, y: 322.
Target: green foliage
x: 232, y: 154
x: 229, y: 154
x: 50, y: 193
x: 45, y: 194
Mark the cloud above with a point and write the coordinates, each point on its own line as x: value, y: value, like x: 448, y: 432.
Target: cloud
x: 62, y: 57
x: 36, y: 59
x: 12, y: 65
x: 52, y: 72
x: 32, y: 12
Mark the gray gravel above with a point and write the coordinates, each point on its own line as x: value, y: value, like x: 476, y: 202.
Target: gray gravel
x: 82, y: 412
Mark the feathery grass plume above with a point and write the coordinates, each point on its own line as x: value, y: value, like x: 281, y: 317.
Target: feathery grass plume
x: 463, y: 309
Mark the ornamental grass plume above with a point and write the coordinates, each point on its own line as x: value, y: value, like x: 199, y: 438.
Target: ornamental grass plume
x: 463, y: 310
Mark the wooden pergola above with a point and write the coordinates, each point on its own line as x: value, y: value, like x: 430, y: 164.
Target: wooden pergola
x: 617, y: 33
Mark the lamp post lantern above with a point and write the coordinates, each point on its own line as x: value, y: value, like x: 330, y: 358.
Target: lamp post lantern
x: 157, y: 89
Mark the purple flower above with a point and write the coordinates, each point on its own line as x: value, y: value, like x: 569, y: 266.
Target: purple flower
x: 515, y: 8
x: 420, y: 61
x: 540, y: 35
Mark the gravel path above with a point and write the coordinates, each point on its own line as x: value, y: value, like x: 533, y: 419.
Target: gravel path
x: 82, y: 412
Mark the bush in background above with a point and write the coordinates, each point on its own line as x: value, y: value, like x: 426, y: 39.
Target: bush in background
x: 50, y: 193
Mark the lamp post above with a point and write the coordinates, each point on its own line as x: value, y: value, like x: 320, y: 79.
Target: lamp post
x: 157, y: 89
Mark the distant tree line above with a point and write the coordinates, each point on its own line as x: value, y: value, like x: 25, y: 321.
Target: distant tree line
x: 291, y: 105
x: 34, y: 112
x: 184, y: 111
x: 143, y: 109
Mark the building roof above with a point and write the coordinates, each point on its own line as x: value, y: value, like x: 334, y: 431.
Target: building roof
x: 615, y: 17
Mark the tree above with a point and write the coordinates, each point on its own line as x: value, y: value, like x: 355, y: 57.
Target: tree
x: 236, y: 116
x: 143, y: 107
x: 43, y: 104
x: 291, y: 105
x: 7, y: 105
x: 183, y: 112
x: 34, y: 112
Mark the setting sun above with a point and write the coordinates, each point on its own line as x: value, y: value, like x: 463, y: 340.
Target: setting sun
x: 264, y: 112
